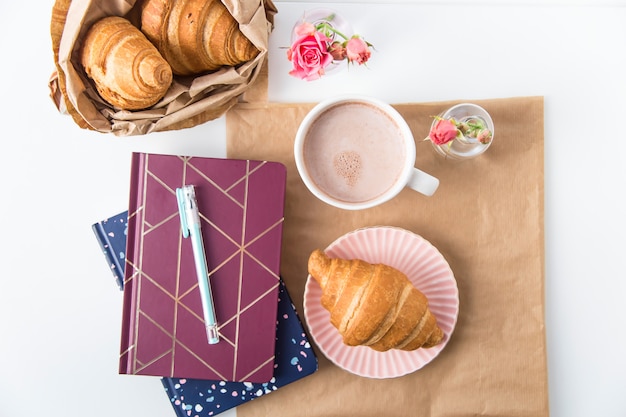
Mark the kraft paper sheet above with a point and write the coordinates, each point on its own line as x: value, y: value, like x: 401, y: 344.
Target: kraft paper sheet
x: 486, y: 219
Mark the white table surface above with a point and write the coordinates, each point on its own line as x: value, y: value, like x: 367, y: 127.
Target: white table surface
x: 60, y: 308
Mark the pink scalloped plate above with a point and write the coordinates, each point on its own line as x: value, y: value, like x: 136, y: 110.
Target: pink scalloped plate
x: 424, y: 266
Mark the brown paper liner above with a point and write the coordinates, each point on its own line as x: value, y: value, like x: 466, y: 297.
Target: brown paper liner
x: 486, y: 218
x: 57, y: 80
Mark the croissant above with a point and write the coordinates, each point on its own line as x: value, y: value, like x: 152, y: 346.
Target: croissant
x: 195, y: 36
x: 127, y: 70
x: 374, y: 304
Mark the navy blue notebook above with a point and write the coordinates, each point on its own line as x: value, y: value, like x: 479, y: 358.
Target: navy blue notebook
x: 111, y: 234
x: 295, y: 358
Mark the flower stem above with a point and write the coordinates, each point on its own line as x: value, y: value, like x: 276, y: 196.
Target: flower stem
x: 327, y: 26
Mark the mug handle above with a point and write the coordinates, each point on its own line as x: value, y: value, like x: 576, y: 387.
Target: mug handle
x: 422, y: 182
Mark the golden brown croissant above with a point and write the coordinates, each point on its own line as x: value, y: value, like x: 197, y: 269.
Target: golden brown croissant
x: 195, y: 36
x: 128, y: 71
x: 374, y: 304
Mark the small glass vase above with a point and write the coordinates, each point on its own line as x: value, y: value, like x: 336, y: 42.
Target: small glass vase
x: 332, y: 18
x: 465, y: 147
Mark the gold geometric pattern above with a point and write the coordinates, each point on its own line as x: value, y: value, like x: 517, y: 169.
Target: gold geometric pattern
x: 241, y: 206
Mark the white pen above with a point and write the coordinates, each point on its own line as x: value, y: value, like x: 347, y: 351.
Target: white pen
x: 190, y: 222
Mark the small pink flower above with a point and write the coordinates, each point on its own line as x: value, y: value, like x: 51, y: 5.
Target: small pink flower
x: 313, y: 49
x: 484, y: 136
x: 304, y: 29
x: 442, y: 132
x: 338, y: 51
x: 357, y: 50
x: 309, y: 55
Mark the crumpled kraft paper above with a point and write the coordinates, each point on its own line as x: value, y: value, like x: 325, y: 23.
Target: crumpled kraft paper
x: 189, y: 101
x: 486, y: 219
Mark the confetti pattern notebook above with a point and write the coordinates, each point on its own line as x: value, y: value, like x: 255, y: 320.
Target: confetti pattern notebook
x: 241, y: 204
x: 295, y: 359
x: 111, y: 235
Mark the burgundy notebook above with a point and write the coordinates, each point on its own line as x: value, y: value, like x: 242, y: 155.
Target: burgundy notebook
x: 241, y: 206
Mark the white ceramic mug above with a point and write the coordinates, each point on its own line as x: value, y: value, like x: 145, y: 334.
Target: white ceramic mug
x: 356, y: 152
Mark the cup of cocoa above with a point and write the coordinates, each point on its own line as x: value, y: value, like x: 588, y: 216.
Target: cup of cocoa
x: 355, y: 152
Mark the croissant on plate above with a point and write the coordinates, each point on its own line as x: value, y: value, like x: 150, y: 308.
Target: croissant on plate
x: 374, y: 304
x: 195, y: 36
x: 127, y: 70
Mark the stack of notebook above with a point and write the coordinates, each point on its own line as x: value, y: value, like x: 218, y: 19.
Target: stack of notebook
x: 262, y: 345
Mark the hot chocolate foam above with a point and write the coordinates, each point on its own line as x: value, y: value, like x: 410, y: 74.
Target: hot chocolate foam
x: 348, y: 165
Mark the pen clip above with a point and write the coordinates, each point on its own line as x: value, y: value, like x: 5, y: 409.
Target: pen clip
x: 183, y: 203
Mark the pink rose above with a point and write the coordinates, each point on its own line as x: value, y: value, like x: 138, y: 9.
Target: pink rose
x: 338, y: 51
x: 304, y: 29
x: 442, y: 132
x: 484, y: 136
x: 309, y: 55
x: 358, y: 51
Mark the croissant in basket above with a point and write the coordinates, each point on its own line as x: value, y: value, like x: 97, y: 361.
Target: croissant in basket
x: 374, y: 304
x: 195, y: 36
x: 127, y: 70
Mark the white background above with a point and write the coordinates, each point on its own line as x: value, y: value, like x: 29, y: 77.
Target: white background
x: 60, y: 308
